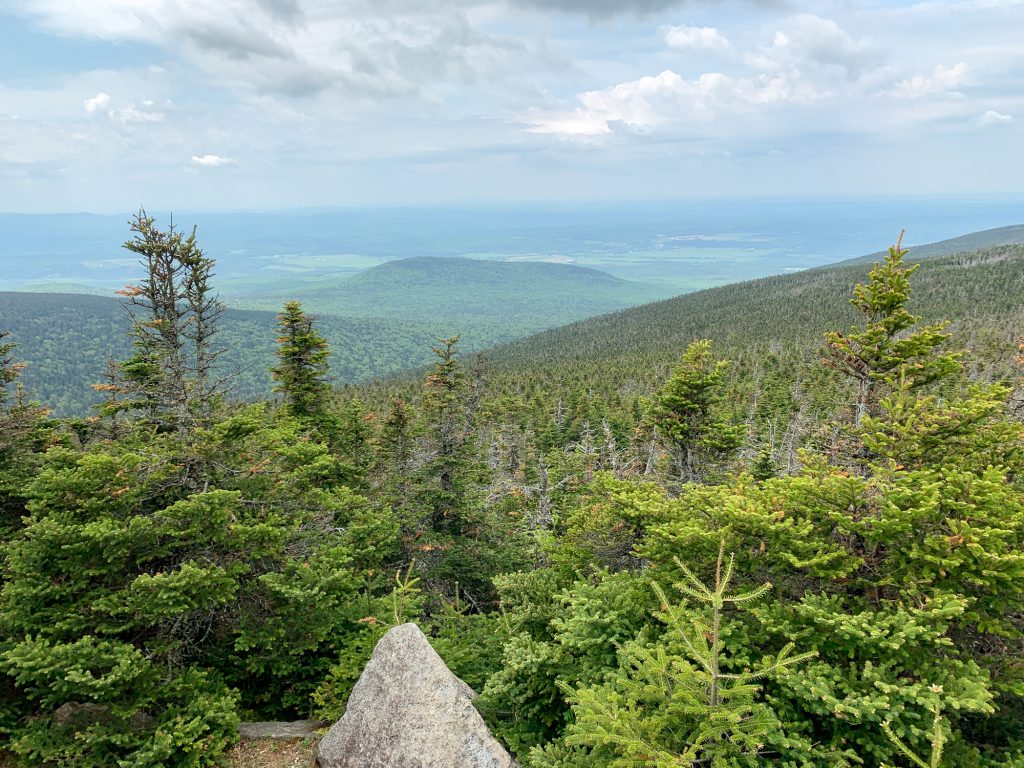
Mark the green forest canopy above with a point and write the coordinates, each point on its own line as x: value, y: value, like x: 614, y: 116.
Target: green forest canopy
x: 691, y: 533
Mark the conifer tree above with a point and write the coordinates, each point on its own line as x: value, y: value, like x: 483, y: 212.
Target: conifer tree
x: 886, y: 346
x: 175, y: 315
x: 764, y: 466
x: 910, y: 570
x: 687, y: 414
x: 678, y: 704
x: 9, y: 369
x: 21, y: 436
x: 392, y: 468
x: 445, y: 398
x: 303, y: 367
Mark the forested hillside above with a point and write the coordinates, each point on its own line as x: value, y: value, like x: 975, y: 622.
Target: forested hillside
x: 975, y: 241
x: 780, y: 523
x: 379, y: 322
x: 67, y: 339
x: 520, y: 296
x: 771, y: 329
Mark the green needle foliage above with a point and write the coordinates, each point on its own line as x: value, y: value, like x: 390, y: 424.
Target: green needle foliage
x: 673, y: 709
x: 687, y: 413
x: 170, y: 377
x: 181, y: 562
x: 938, y: 743
x: 882, y: 349
x: 302, y: 369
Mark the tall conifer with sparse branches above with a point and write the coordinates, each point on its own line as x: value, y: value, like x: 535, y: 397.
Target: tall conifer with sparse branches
x: 170, y: 377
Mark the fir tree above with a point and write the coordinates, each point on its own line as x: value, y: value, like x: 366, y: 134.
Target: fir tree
x: 175, y: 315
x: 303, y: 367
x: 676, y: 704
x: 9, y: 369
x: 764, y: 466
x: 687, y: 414
x: 23, y: 432
x: 392, y: 470
x: 886, y: 347
x: 445, y: 396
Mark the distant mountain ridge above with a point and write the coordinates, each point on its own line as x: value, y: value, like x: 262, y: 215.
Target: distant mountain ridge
x: 385, y: 320
x: 389, y: 316
x: 783, y: 317
x: 449, y: 288
x: 987, y: 238
x: 67, y: 339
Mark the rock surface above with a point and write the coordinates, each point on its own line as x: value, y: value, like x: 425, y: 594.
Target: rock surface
x: 273, y: 729
x: 409, y: 711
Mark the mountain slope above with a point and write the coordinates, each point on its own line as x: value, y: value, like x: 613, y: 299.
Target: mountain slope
x: 67, y: 339
x: 486, y: 300
x: 379, y: 322
x: 988, y: 238
x: 783, y: 316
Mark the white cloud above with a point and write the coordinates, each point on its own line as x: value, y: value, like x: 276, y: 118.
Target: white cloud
x: 132, y: 114
x: 212, y: 161
x: 100, y: 101
x: 411, y: 100
x: 991, y: 117
x: 650, y: 102
x: 812, y: 43
x: 943, y: 79
x: 687, y: 38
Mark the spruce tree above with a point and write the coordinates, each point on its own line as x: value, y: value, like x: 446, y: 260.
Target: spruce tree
x: 678, y: 703
x: 887, y: 346
x: 170, y: 377
x: 445, y: 396
x: 23, y: 432
x: 138, y: 618
x: 302, y: 369
x: 764, y: 466
x: 392, y: 468
x: 10, y: 370
x: 687, y: 413
x: 908, y: 575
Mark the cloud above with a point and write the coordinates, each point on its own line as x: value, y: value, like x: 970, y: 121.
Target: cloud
x: 132, y: 114
x: 601, y: 8
x: 373, y: 48
x: 212, y: 161
x: 941, y: 80
x: 991, y: 117
x: 686, y: 38
x: 98, y: 102
x: 650, y: 102
x: 811, y: 42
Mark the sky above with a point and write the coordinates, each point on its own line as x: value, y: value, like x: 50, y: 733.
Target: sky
x: 270, y: 104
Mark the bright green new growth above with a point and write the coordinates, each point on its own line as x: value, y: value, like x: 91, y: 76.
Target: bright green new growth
x: 673, y: 708
x: 160, y: 585
x: 876, y: 355
x: 938, y: 743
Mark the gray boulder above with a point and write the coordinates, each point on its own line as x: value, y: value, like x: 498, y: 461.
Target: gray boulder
x: 409, y: 711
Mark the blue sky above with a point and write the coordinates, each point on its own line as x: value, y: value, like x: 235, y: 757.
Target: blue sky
x: 232, y: 104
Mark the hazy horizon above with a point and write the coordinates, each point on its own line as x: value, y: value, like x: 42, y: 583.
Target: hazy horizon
x: 264, y: 104
x: 678, y: 245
